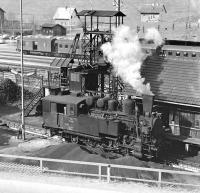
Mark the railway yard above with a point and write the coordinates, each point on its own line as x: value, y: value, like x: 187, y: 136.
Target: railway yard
x: 107, y: 104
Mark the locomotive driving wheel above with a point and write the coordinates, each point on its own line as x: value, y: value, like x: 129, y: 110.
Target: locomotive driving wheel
x: 91, y: 143
x: 74, y: 139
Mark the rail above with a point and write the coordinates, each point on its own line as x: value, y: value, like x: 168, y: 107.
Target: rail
x: 102, y: 170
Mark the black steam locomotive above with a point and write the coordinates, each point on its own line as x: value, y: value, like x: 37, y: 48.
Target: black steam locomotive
x: 104, y: 122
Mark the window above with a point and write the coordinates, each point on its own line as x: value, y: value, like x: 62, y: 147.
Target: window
x: 193, y: 54
x: 187, y: 119
x: 170, y: 53
x: 60, y: 108
x: 82, y: 108
x: 35, y: 45
x: 185, y: 54
x: 60, y: 45
x: 75, y: 77
x: 197, y: 121
x: 66, y: 46
x: 71, y: 110
x: 178, y: 53
x: 65, y: 110
x: 174, y: 116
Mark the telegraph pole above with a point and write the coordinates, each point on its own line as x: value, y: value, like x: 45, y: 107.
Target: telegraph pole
x: 119, y: 5
x: 22, y: 131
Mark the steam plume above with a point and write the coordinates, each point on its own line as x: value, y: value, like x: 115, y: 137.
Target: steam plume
x: 195, y: 5
x: 126, y: 56
x: 153, y: 34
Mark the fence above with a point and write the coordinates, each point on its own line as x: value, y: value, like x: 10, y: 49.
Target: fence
x: 101, y: 170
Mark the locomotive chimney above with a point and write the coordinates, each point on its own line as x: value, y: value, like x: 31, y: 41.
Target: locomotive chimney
x: 147, y: 101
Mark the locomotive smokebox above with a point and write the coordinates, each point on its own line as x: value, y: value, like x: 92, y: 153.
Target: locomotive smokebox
x: 147, y: 101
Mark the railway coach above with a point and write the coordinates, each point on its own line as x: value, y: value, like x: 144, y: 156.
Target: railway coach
x: 56, y: 46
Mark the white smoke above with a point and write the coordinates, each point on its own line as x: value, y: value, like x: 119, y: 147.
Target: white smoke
x: 126, y: 56
x: 153, y: 34
x: 195, y: 5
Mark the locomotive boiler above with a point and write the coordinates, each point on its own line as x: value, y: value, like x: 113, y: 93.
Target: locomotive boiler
x: 105, y: 123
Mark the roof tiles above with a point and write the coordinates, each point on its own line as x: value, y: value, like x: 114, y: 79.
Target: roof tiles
x: 173, y: 80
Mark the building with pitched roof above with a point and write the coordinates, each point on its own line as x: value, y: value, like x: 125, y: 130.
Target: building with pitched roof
x: 53, y: 29
x: 174, y: 76
x: 2, y: 12
x: 150, y: 13
x: 67, y: 16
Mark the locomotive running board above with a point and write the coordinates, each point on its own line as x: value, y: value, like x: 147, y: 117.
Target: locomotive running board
x: 80, y: 134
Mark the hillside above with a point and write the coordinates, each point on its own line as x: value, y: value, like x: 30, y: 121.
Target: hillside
x: 43, y: 10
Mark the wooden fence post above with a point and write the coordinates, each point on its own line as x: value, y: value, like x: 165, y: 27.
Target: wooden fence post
x: 99, y: 172
x: 159, y: 179
x: 108, y: 173
x: 41, y: 165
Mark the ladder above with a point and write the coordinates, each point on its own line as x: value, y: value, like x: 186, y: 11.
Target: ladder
x: 29, y: 107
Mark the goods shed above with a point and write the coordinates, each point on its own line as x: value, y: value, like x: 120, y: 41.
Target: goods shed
x: 53, y: 29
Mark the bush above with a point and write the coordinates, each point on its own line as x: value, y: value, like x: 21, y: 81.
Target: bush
x: 10, y: 89
x: 2, y: 98
x: 10, y: 92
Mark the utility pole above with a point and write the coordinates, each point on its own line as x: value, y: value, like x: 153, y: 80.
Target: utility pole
x: 117, y: 4
x: 22, y: 74
x: 188, y: 23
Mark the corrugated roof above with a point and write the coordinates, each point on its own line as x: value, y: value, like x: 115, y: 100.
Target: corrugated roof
x: 61, y: 62
x: 171, y: 80
x: 65, y: 99
x: 64, y: 13
x: 100, y: 13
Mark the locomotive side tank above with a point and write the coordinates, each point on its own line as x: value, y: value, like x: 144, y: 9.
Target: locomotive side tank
x: 70, y: 114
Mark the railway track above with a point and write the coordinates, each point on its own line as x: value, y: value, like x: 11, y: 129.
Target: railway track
x: 30, y: 129
x: 187, y: 166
